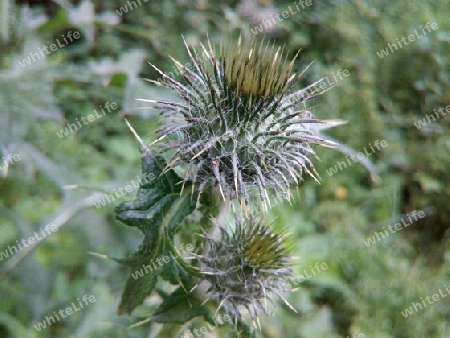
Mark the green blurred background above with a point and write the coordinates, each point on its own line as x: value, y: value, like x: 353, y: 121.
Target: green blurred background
x: 59, y: 180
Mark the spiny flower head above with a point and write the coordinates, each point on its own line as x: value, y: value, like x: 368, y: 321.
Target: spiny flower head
x: 238, y: 125
x: 246, y: 266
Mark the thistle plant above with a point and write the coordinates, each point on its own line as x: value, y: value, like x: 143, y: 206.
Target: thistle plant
x: 241, y: 125
x: 246, y: 266
x: 238, y: 132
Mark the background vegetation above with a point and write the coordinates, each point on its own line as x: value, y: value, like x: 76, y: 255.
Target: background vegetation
x: 58, y: 180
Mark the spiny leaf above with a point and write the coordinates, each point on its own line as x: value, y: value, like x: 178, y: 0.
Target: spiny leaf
x: 136, y: 290
x: 179, y: 307
x: 156, y: 211
x: 171, y: 272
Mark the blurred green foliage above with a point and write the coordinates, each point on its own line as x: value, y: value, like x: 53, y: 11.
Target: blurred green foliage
x: 58, y: 180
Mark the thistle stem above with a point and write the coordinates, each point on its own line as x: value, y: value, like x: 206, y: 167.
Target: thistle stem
x: 190, y: 269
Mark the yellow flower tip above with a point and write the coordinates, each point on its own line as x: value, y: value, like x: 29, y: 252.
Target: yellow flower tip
x: 257, y: 71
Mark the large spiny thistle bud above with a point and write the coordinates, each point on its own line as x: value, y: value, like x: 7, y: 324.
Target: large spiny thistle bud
x: 246, y: 266
x: 242, y: 126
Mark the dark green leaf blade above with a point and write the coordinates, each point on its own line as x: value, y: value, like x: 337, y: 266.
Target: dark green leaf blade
x: 179, y: 307
x: 136, y: 290
x: 157, y: 212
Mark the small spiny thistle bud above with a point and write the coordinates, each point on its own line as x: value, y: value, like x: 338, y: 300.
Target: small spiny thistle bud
x: 246, y: 266
x: 242, y: 126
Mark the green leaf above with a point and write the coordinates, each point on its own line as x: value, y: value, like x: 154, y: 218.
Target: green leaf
x: 27, y: 97
x: 179, y: 307
x: 59, y: 21
x: 15, y: 327
x: 169, y: 330
x: 156, y: 211
x: 137, y: 289
x: 171, y: 272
